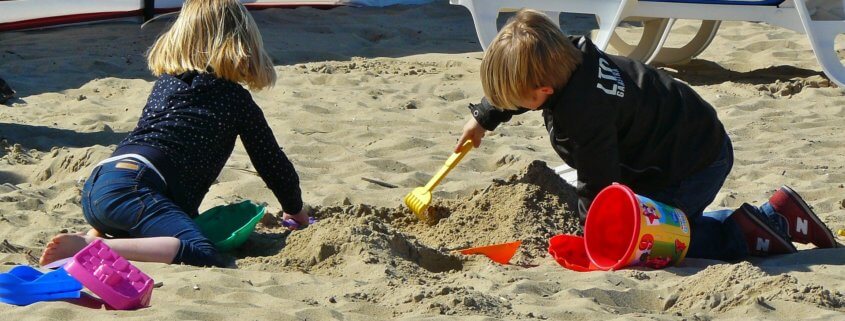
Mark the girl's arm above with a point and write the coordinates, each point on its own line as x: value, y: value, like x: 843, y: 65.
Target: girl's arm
x: 271, y: 163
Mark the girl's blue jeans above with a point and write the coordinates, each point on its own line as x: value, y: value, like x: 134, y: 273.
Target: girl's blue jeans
x: 713, y: 235
x: 127, y: 199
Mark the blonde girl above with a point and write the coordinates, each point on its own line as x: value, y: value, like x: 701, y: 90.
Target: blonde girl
x: 141, y: 200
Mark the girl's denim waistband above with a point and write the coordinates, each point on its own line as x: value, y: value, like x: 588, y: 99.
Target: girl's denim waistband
x: 137, y: 158
x: 130, y: 168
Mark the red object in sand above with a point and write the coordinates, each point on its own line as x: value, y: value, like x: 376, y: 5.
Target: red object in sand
x: 569, y: 251
x: 499, y: 253
x: 624, y: 229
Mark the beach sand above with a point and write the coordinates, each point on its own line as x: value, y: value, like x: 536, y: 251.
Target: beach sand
x: 382, y: 94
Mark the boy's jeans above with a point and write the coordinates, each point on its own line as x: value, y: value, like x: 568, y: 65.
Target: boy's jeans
x: 128, y: 201
x: 712, y: 235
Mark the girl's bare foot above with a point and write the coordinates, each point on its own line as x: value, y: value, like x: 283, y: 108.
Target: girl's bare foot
x: 64, y: 246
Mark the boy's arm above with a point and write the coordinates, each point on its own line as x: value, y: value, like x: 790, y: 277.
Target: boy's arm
x: 270, y: 161
x: 489, y: 116
x: 597, y: 162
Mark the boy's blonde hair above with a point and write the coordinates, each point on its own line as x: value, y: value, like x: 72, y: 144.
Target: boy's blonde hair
x: 214, y: 36
x: 528, y: 53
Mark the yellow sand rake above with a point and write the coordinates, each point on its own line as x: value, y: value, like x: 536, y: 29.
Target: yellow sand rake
x: 419, y: 199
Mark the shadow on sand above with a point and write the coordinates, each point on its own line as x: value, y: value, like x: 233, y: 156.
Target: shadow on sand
x: 44, y: 138
x: 703, y: 72
x: 291, y: 36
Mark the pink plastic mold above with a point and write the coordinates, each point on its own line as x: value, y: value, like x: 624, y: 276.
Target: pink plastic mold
x: 111, y: 277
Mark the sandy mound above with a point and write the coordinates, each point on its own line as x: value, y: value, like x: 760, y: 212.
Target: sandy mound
x: 14, y: 154
x: 345, y: 242
x: 530, y: 206
x: 723, y: 287
x: 794, y: 86
x: 415, y: 258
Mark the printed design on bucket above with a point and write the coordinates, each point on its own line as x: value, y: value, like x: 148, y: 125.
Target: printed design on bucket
x: 660, y: 242
x: 646, y: 244
x: 644, y: 257
x: 682, y: 220
x: 680, y: 247
x: 651, y: 214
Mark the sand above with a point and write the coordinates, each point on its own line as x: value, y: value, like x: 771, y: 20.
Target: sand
x: 382, y: 94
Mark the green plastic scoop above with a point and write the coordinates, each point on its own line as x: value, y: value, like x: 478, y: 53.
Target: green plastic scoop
x: 229, y: 226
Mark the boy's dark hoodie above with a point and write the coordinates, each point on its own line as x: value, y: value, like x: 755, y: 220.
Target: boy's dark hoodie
x: 619, y: 120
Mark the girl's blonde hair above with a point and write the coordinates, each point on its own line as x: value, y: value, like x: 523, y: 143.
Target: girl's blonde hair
x: 214, y: 36
x: 528, y: 53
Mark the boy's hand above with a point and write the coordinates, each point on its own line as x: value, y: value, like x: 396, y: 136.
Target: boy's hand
x: 472, y: 130
x: 300, y: 218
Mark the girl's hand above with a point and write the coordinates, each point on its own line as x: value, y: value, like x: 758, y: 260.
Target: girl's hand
x: 472, y: 130
x: 300, y: 218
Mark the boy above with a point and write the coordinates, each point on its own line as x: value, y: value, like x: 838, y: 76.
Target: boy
x: 618, y: 120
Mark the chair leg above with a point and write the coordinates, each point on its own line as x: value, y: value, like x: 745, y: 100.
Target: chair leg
x: 606, y: 30
x: 822, y: 35
x: 653, y: 31
x: 662, y: 41
x: 697, y: 44
x: 622, y: 47
x: 609, y: 16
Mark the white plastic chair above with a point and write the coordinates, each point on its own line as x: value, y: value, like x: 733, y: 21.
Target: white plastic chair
x: 658, y: 17
x: 25, y: 14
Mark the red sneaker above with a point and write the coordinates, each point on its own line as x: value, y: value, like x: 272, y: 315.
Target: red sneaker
x: 804, y: 226
x: 762, y: 238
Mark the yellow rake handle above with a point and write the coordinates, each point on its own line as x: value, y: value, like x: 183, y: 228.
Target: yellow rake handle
x: 450, y: 164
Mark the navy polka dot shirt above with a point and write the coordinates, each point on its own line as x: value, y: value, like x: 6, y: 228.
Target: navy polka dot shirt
x: 188, y: 130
